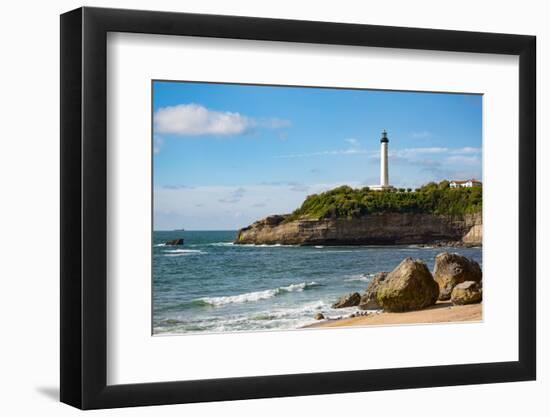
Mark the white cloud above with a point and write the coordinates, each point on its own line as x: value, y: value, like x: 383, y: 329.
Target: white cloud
x: 424, y: 134
x: 354, y: 148
x: 433, y: 158
x: 273, y: 123
x: 195, y: 120
x: 353, y: 142
x: 298, y: 187
x: 412, y: 152
x: 418, y: 151
x: 467, y: 149
x: 157, y: 144
x: 283, y: 136
x: 292, y: 185
x: 350, y: 151
x: 199, y: 208
x: 176, y: 186
x: 234, y: 196
x: 403, y: 154
x: 463, y: 159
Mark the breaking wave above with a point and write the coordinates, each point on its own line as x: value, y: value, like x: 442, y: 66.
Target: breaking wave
x: 362, y: 278
x: 183, y: 252
x: 256, y: 295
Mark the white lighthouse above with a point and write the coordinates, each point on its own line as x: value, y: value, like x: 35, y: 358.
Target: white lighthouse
x: 384, y: 175
x: 384, y: 178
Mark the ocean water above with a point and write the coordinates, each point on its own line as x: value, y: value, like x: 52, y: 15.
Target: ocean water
x: 211, y: 285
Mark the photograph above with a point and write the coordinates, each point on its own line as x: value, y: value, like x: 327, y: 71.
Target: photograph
x: 293, y: 207
x: 268, y: 209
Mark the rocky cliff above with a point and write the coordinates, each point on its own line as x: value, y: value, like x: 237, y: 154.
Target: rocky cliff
x: 374, y: 229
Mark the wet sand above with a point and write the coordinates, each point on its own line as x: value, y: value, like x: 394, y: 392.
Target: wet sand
x: 442, y: 312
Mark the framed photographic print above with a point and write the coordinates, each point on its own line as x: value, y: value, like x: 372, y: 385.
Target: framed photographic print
x: 257, y: 207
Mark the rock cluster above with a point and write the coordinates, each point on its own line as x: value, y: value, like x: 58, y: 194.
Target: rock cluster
x: 349, y: 300
x: 358, y: 314
x: 452, y: 269
x: 411, y: 285
x: 174, y: 242
x: 369, y: 299
x: 468, y: 292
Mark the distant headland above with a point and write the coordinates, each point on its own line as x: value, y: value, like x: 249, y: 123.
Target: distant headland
x: 447, y: 213
x: 434, y: 214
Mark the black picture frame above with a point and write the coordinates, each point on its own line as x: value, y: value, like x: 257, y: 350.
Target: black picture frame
x: 84, y: 207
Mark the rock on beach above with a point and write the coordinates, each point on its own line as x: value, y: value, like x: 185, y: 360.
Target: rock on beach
x: 410, y: 286
x: 468, y: 292
x: 368, y: 299
x: 349, y: 300
x: 452, y: 269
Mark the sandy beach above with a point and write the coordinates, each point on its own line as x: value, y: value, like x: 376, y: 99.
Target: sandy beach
x: 442, y: 312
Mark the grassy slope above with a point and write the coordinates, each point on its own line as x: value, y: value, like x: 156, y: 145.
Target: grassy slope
x: 347, y: 202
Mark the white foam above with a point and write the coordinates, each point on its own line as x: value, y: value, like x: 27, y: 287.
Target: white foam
x: 278, y: 319
x: 362, y: 278
x: 241, y: 298
x: 183, y: 252
x: 256, y: 295
x: 299, y: 287
x: 326, y: 251
x: 298, y: 312
x: 284, y: 318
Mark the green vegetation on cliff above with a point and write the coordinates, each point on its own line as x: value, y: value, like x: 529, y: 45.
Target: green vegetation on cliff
x: 347, y: 202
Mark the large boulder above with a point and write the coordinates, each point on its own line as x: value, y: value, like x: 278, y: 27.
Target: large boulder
x: 368, y: 299
x: 410, y: 286
x: 468, y: 292
x: 452, y: 269
x: 349, y: 300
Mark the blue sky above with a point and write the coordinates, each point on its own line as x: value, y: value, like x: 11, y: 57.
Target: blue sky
x: 226, y: 155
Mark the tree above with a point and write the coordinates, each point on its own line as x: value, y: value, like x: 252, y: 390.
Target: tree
x: 346, y: 202
x: 443, y: 185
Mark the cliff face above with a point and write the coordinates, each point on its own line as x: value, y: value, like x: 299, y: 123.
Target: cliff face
x: 376, y: 229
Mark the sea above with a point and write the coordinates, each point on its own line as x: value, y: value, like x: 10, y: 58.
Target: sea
x: 212, y: 285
